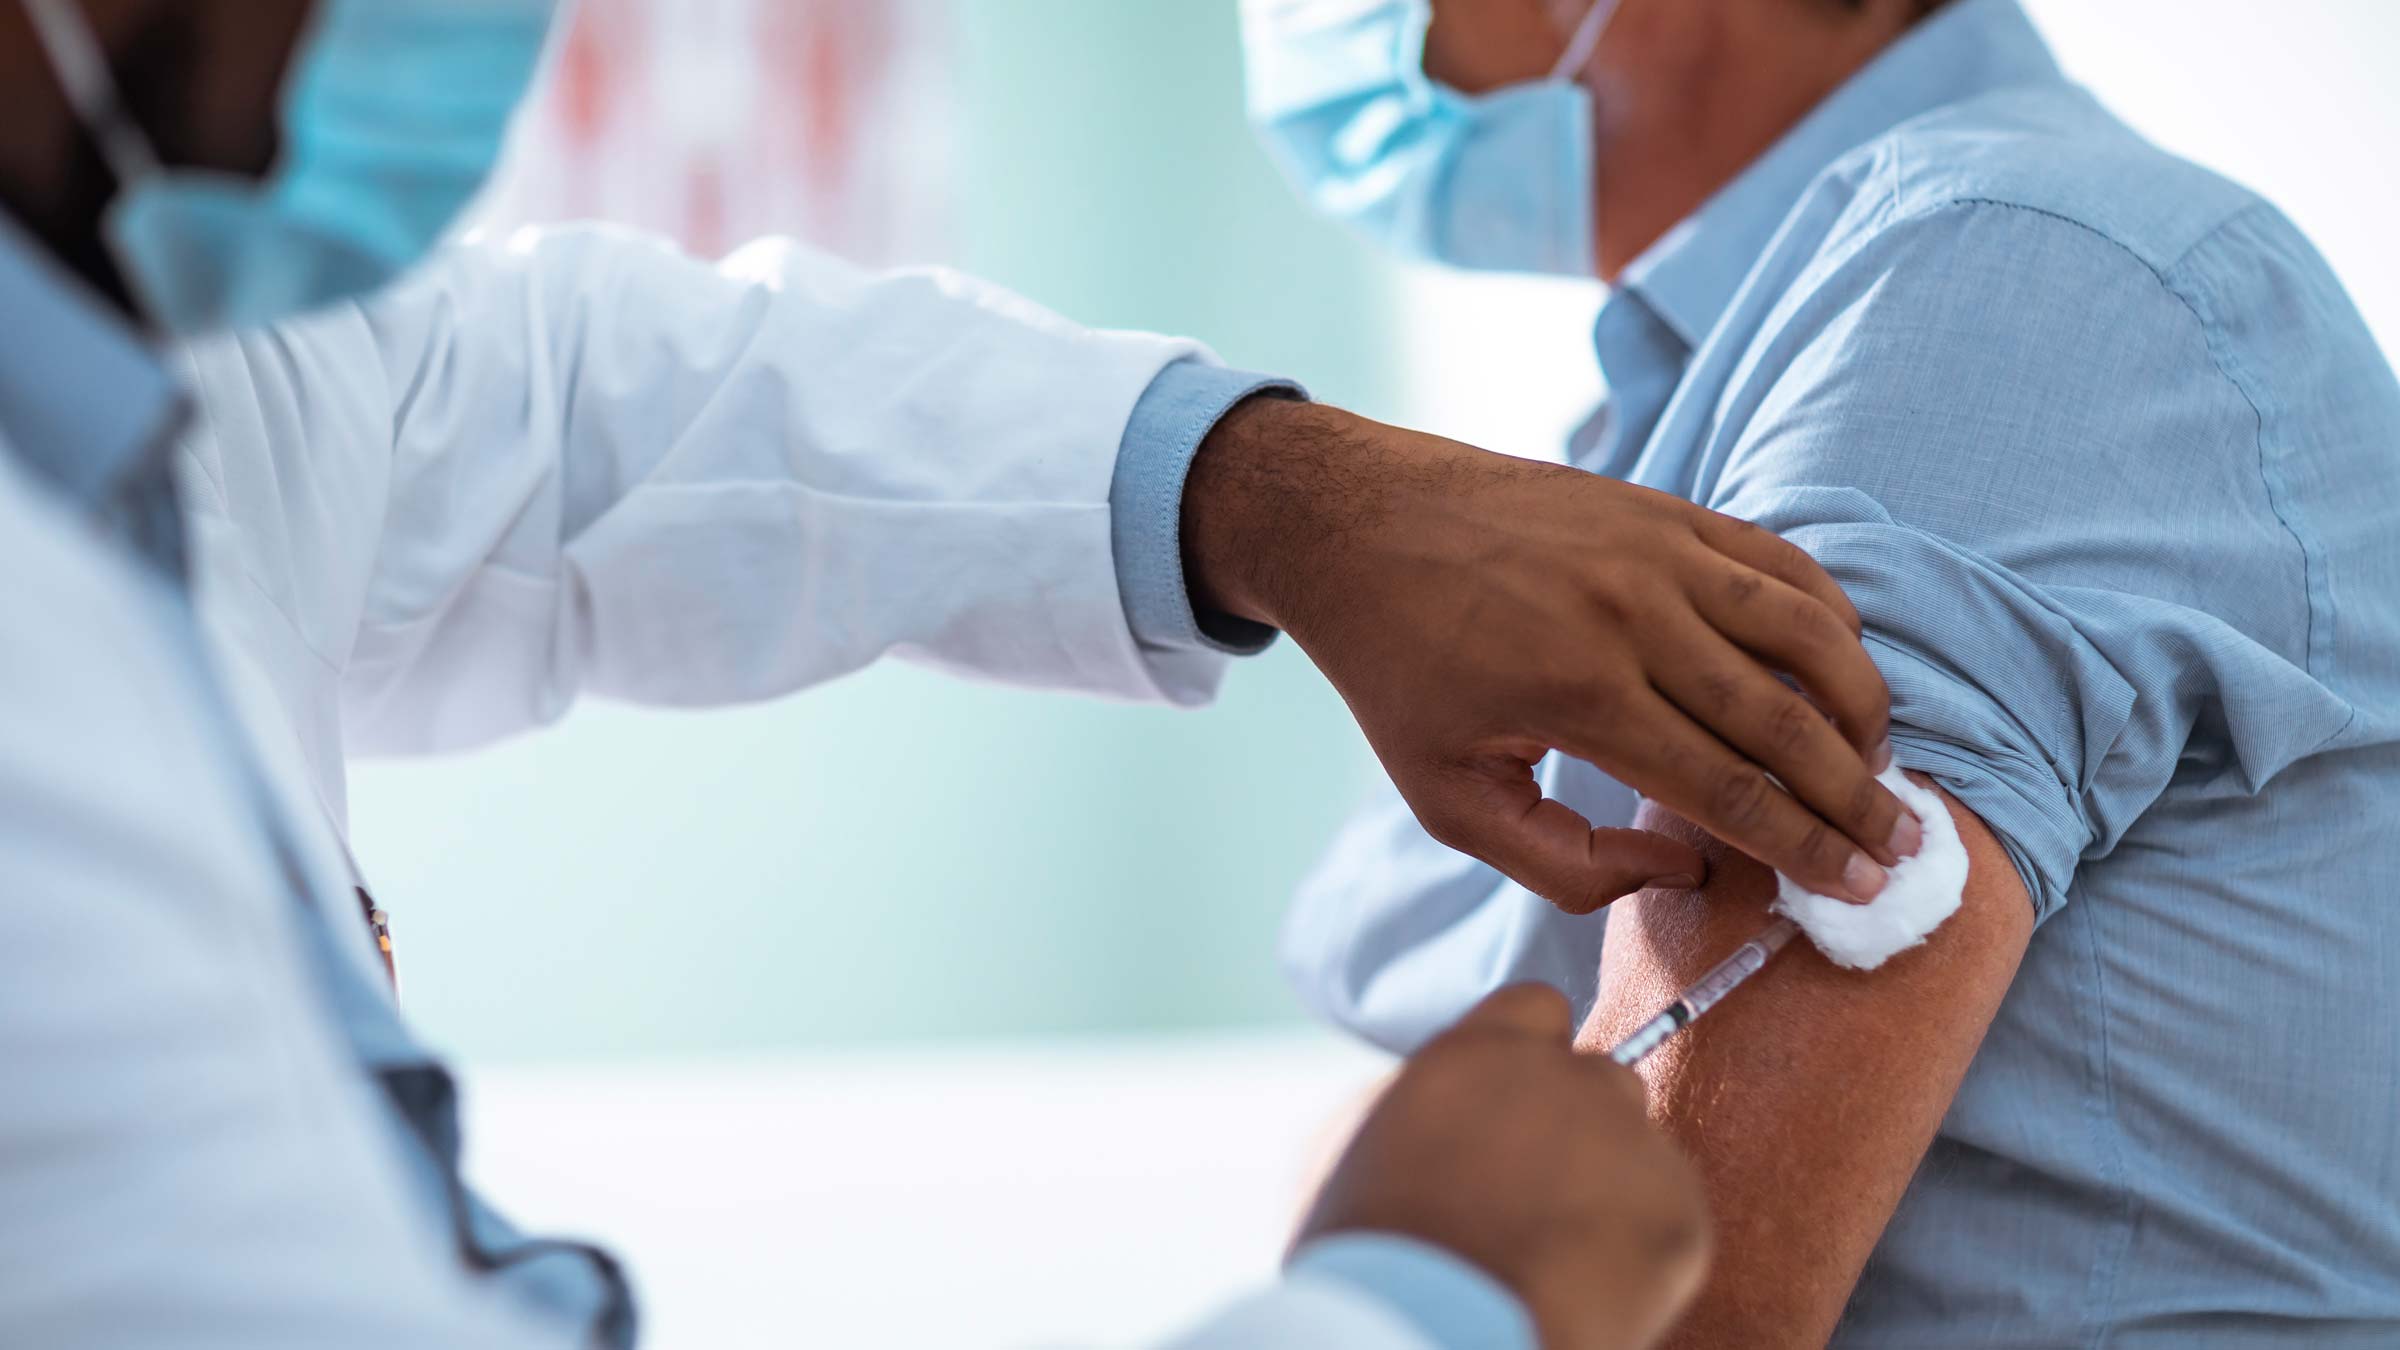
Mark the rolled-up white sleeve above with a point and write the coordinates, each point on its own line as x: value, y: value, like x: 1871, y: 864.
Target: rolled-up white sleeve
x: 622, y: 471
x: 580, y: 462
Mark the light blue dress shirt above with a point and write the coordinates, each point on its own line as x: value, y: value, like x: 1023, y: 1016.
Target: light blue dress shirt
x: 2111, y: 467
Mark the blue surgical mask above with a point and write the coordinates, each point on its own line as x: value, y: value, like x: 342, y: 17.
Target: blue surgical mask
x: 1498, y: 182
x: 393, y: 115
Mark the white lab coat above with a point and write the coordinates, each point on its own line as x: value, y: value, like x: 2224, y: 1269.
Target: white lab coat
x: 578, y: 462
x: 565, y: 463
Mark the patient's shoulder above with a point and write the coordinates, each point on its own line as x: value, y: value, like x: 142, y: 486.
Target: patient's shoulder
x: 2032, y: 215
x: 2052, y: 150
x: 2027, y: 251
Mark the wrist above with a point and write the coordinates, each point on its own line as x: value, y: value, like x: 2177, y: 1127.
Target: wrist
x: 1272, y: 483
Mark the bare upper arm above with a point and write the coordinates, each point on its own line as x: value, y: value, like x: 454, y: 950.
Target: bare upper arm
x: 1808, y: 1098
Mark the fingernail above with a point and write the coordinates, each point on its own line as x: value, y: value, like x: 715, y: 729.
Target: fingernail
x: 1681, y: 881
x: 1907, y: 837
x: 1863, y: 878
x: 1883, y: 755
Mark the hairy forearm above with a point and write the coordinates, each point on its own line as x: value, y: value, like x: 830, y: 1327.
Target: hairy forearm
x: 1279, y: 492
x: 1807, y: 1099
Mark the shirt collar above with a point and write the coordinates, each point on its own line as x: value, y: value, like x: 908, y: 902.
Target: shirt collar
x: 84, y: 401
x: 1968, y: 48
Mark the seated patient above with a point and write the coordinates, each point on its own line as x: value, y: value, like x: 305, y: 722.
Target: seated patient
x: 2111, y: 469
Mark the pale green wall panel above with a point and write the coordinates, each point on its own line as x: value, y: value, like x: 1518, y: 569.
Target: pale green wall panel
x: 903, y: 856
x: 1109, y: 172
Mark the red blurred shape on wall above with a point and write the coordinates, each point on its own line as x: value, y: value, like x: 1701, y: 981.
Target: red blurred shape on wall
x: 717, y: 121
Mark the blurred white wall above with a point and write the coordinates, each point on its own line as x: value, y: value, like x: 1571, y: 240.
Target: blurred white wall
x: 1099, y: 1192
x: 2296, y: 98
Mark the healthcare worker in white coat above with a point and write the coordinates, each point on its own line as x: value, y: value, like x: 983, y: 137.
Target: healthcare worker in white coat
x: 353, y: 516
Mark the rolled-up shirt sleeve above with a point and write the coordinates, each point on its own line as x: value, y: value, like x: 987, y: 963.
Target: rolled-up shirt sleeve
x: 2050, y: 505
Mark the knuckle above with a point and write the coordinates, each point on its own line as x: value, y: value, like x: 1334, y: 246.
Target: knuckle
x: 1439, y: 813
x: 1792, y: 727
x: 1599, y: 703
x: 1718, y: 692
x: 1813, y: 627
x: 1445, y: 828
x: 1847, y: 612
x: 1799, y: 566
x: 1872, y: 718
x: 1743, y: 586
x: 1741, y: 797
x: 1748, y: 531
x: 1823, y: 848
x: 1780, y: 555
x: 1870, y: 804
x: 1616, y: 608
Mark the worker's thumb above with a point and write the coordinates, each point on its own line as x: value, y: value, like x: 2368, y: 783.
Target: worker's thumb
x: 1535, y: 1010
x: 1494, y: 810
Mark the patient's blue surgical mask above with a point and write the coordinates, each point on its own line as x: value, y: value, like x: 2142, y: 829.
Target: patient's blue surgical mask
x: 1499, y: 181
x: 393, y: 115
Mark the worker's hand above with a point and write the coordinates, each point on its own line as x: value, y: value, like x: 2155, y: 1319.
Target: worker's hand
x: 1478, y: 611
x: 1498, y: 1144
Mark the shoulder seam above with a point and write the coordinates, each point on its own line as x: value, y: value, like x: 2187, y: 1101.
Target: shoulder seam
x: 2317, y: 659
x: 2315, y: 581
x: 2156, y: 270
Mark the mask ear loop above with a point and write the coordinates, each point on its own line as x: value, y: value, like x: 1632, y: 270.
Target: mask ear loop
x: 83, y: 73
x: 1586, y: 40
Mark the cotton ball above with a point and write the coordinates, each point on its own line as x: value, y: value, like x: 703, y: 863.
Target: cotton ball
x: 1923, y: 891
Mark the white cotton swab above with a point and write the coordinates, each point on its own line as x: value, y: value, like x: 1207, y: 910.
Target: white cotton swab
x: 1922, y: 891
x: 1918, y: 895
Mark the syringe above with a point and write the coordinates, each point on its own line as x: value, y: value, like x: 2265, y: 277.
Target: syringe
x: 1706, y: 992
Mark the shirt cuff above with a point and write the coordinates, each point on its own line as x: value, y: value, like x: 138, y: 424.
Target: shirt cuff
x: 1449, y: 1302
x: 1145, y: 503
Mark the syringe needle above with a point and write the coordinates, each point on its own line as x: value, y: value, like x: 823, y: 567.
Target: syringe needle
x: 1706, y: 992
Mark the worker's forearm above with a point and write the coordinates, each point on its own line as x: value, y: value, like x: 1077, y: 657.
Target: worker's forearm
x: 1276, y: 487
